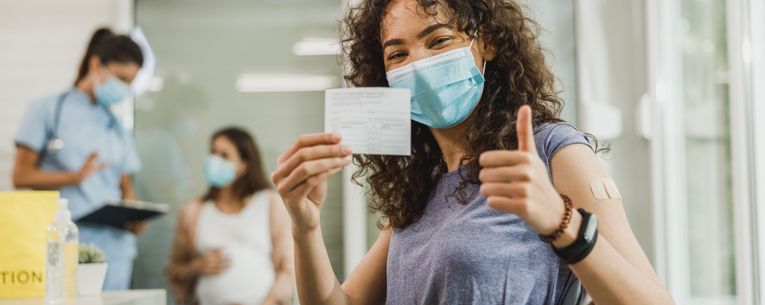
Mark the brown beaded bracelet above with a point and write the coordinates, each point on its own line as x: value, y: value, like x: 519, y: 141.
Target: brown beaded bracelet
x: 563, y: 224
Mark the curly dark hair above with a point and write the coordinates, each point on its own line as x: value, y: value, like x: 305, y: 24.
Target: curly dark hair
x: 400, y: 187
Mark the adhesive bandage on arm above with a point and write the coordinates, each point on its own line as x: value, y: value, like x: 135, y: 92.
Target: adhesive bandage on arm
x: 604, y: 189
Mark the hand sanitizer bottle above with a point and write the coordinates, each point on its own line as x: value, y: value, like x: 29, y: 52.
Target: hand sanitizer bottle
x: 62, y: 258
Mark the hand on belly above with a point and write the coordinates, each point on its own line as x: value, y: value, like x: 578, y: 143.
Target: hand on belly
x: 213, y: 262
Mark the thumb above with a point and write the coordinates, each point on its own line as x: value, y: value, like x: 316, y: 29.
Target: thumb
x: 525, y: 129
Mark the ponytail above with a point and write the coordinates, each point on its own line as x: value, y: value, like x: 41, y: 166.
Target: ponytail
x: 109, y: 47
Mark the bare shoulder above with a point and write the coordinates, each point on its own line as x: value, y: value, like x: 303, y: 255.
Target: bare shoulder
x: 192, y: 205
x: 575, y: 163
x: 579, y: 173
x: 190, y: 209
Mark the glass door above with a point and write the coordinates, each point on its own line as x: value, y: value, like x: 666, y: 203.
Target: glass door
x: 261, y: 65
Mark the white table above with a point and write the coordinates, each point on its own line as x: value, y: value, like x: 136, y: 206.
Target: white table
x: 130, y: 297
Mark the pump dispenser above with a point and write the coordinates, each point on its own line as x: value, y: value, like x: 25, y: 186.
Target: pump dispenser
x: 62, y: 258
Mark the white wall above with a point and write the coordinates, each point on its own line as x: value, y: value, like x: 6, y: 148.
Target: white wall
x: 41, y: 44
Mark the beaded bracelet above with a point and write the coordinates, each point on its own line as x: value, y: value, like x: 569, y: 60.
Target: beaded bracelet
x: 563, y: 224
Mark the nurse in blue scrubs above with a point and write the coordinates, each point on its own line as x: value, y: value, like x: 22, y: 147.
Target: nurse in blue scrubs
x: 72, y: 142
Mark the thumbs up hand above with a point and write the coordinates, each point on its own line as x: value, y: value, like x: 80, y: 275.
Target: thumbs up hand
x: 517, y: 181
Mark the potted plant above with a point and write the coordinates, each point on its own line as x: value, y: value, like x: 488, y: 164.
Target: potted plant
x: 91, y: 271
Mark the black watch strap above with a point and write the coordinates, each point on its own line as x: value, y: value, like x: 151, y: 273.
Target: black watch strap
x: 585, y: 241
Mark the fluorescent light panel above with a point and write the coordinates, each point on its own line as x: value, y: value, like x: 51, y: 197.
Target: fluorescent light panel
x: 316, y: 47
x: 255, y: 82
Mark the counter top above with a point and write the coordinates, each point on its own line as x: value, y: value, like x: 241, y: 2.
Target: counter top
x: 129, y: 297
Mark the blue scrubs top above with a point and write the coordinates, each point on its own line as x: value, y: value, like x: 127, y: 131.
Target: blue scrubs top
x: 85, y: 127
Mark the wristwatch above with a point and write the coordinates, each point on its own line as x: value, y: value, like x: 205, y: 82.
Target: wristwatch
x: 585, y: 241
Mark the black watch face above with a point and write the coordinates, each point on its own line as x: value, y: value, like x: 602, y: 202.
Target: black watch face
x: 591, y: 228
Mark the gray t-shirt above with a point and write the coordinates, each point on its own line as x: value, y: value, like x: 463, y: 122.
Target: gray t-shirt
x: 472, y: 254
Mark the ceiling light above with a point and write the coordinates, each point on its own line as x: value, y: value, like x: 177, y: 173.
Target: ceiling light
x: 316, y: 47
x: 255, y: 82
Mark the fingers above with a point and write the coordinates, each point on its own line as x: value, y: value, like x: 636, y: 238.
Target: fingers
x: 497, y: 158
x: 509, y: 190
x: 505, y: 174
x: 90, y: 166
x: 90, y: 161
x: 216, y: 268
x: 306, y: 170
x: 310, y: 140
x: 306, y: 187
x: 511, y: 205
x: 222, y: 264
x: 507, y: 197
x: 137, y: 227
x: 305, y: 154
x: 216, y: 251
x: 91, y: 157
x: 133, y: 224
x: 525, y: 130
x: 216, y: 261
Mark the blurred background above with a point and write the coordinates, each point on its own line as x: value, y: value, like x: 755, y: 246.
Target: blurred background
x: 675, y: 87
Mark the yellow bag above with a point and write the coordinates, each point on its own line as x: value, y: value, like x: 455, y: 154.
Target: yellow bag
x: 24, y: 219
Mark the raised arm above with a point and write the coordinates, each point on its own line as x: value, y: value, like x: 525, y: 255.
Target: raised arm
x: 301, y: 179
x: 366, y: 284
x: 617, y: 270
x: 27, y: 174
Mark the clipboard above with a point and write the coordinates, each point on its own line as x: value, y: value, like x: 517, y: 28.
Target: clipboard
x: 118, y: 214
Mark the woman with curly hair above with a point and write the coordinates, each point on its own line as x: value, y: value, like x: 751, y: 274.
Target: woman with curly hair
x: 498, y: 202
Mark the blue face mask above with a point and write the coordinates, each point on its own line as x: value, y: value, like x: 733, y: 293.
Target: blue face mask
x: 219, y: 172
x: 445, y: 88
x: 111, y: 92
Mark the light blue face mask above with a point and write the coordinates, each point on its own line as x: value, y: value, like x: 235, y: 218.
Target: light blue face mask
x: 111, y: 92
x: 218, y: 171
x: 445, y: 88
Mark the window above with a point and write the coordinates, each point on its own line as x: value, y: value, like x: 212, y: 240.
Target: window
x: 708, y: 151
x: 706, y: 105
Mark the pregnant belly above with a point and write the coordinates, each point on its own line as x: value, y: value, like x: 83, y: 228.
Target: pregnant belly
x: 247, y: 281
